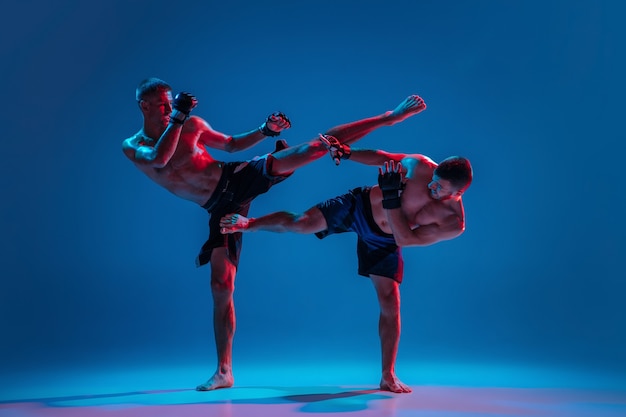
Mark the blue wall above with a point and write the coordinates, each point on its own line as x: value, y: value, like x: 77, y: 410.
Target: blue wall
x: 97, y: 261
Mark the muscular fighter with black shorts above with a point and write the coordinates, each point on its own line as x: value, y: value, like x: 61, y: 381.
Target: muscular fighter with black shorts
x: 171, y: 149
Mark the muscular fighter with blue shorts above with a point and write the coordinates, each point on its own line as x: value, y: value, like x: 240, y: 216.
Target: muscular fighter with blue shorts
x: 416, y: 203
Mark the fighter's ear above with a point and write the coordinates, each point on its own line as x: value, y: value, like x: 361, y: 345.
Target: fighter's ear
x: 143, y: 105
x: 459, y: 193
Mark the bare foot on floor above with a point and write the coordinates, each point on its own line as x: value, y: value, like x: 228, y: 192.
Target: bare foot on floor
x: 217, y: 381
x: 409, y: 107
x: 393, y: 384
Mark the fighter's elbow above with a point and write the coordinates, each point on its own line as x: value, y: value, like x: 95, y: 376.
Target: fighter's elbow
x: 231, y: 145
x: 407, y: 241
x: 154, y: 160
x: 158, y: 164
x: 453, y: 227
x: 459, y: 229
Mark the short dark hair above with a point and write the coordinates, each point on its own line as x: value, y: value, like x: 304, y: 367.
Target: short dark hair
x: 457, y: 170
x: 150, y: 86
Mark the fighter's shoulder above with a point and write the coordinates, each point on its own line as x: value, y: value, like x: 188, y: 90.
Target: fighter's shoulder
x: 419, y: 158
x: 419, y: 162
x: 197, y: 122
x: 197, y: 126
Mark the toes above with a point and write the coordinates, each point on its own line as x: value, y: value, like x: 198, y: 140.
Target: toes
x: 395, y: 386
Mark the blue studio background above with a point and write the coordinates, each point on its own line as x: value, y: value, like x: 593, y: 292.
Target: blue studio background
x: 97, y: 262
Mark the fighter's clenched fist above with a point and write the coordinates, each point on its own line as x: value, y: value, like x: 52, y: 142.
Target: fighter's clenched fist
x: 274, y: 124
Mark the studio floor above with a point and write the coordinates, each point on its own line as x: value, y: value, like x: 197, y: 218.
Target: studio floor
x: 337, y: 389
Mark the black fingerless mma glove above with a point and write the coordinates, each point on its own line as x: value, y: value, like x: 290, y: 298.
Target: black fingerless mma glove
x: 391, y: 185
x: 269, y: 132
x: 183, y: 103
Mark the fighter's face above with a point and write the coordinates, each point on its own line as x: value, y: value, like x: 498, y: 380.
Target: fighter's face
x: 441, y: 189
x: 157, y: 108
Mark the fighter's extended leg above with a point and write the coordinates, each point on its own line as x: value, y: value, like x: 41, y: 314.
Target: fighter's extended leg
x: 388, y: 292
x: 294, y: 157
x: 351, y: 132
x: 222, y: 287
x: 311, y: 221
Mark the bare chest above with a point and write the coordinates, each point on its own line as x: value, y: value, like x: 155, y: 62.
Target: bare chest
x: 191, y: 173
x: 418, y: 207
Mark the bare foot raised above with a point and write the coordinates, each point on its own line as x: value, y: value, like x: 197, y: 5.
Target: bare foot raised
x: 409, y: 107
x: 232, y: 223
x: 393, y: 384
x: 217, y: 381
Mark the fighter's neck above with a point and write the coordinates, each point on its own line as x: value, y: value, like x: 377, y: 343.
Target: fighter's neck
x: 153, y: 133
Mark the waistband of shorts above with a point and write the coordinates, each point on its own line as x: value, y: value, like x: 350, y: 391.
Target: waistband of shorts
x: 369, y: 215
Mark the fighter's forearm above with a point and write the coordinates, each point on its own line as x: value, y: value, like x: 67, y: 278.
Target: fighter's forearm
x: 273, y: 125
x: 245, y: 140
x: 374, y: 156
x: 400, y: 228
x: 404, y: 235
x: 166, y: 145
x: 423, y: 235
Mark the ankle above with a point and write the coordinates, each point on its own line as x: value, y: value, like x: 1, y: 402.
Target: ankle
x: 390, y: 118
x: 224, y: 370
x: 389, y: 374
